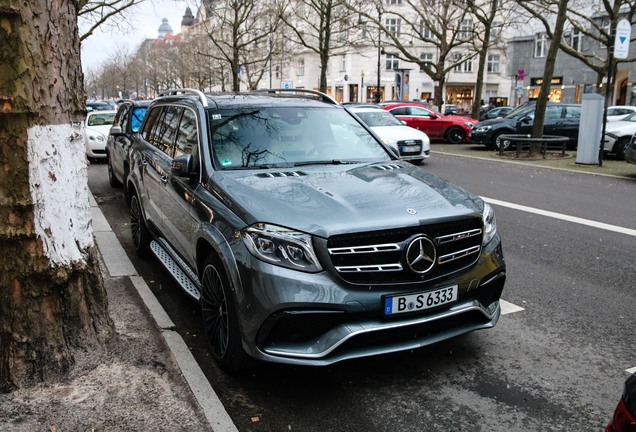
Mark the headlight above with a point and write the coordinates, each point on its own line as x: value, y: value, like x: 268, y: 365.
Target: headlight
x: 281, y: 246
x: 99, y: 138
x: 388, y: 141
x: 490, y: 224
x: 483, y: 128
x: 469, y: 124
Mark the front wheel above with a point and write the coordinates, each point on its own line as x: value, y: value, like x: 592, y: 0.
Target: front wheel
x: 501, y: 143
x: 620, y: 147
x: 220, y: 321
x: 455, y: 135
x: 111, y: 176
x: 140, y: 233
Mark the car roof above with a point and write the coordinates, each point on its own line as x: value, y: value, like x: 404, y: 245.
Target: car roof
x: 366, y: 109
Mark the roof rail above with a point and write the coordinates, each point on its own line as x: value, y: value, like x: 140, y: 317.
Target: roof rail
x: 322, y: 96
x: 195, y: 92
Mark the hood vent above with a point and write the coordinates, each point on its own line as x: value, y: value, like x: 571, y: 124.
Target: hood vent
x: 281, y: 174
x: 387, y: 167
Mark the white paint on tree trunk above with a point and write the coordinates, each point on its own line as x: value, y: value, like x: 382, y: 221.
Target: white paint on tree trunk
x: 59, y: 188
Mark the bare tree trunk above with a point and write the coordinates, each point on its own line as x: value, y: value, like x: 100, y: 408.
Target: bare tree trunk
x: 52, y: 300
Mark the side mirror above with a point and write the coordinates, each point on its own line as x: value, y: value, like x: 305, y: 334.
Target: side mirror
x: 182, y: 166
x: 526, y: 120
x: 116, y: 131
x: 403, y: 122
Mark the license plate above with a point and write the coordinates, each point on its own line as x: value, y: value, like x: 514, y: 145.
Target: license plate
x: 419, y: 301
x: 411, y: 149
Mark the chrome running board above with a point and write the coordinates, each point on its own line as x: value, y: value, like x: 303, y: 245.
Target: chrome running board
x: 178, y: 269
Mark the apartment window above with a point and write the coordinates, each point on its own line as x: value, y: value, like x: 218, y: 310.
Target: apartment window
x: 575, y: 39
x: 392, y: 62
x: 393, y: 25
x: 456, y: 58
x: 540, y: 44
x: 426, y: 58
x: 495, y: 31
x: 343, y: 64
x: 492, y: 65
x: 394, y: 2
x: 300, y: 71
x: 425, y: 31
x: 466, y: 29
x: 277, y: 71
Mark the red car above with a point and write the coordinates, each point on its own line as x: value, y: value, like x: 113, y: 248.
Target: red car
x: 451, y: 128
x: 624, y: 419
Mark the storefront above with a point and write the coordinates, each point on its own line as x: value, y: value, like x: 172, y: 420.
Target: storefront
x: 556, y: 89
x: 461, y: 97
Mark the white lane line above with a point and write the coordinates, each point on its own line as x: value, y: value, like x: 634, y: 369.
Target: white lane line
x: 508, y: 308
x: 574, y: 219
x: 631, y: 371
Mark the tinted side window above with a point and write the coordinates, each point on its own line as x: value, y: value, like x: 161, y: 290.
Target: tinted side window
x: 136, y: 118
x: 165, y: 127
x: 188, y: 135
x: 121, y: 118
x: 420, y: 112
x: 573, y: 112
x: 400, y: 111
x: 150, y: 123
x: 553, y: 112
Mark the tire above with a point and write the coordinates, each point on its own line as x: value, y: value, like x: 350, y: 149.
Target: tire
x: 220, y: 321
x: 140, y: 234
x: 114, y: 183
x: 497, y: 142
x: 455, y: 135
x: 621, y: 146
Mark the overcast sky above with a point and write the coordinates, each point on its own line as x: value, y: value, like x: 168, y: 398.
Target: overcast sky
x: 142, y: 22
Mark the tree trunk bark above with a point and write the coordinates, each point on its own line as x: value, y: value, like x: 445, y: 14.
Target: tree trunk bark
x: 52, y: 299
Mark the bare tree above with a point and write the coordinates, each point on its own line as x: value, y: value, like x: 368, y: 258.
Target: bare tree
x: 52, y: 300
x: 96, y: 13
x: 321, y: 26
x: 541, y: 9
x: 424, y: 25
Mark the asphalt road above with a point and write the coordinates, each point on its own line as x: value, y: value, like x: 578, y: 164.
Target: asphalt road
x: 558, y: 364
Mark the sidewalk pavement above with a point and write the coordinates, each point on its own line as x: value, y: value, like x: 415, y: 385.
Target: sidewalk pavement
x: 146, y: 378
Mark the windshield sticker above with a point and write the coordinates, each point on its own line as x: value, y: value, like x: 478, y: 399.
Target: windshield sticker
x: 226, y: 162
x: 216, y: 116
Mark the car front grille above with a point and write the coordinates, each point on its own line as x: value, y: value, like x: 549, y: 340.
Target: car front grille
x: 409, y: 147
x: 379, y: 257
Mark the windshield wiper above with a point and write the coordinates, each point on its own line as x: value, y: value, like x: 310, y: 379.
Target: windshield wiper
x: 326, y: 162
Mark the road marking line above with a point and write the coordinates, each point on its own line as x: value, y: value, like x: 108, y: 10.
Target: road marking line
x: 508, y: 308
x: 631, y: 371
x: 574, y: 219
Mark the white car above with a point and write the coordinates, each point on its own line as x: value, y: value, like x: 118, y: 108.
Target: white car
x: 96, y: 128
x: 411, y: 144
x: 618, y: 134
x: 619, y: 112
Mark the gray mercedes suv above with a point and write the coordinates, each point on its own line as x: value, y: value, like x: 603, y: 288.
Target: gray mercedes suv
x: 304, y: 239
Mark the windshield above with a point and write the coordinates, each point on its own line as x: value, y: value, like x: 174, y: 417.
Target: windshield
x: 100, y: 119
x: 521, y: 111
x: 380, y: 118
x: 287, y: 136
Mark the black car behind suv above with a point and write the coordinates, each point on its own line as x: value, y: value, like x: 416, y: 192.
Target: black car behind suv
x: 560, y: 119
x: 304, y: 239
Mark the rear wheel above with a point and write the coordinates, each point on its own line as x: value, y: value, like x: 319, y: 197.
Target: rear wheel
x: 220, y: 320
x: 140, y: 233
x: 620, y: 147
x: 111, y: 176
x: 455, y: 135
x: 499, y: 143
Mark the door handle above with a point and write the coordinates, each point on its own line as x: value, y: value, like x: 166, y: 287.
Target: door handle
x: 164, y: 179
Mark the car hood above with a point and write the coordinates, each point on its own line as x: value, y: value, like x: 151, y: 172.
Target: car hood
x: 103, y: 129
x: 460, y: 119
x: 400, y: 133
x: 621, y: 127
x: 330, y: 200
x: 498, y: 122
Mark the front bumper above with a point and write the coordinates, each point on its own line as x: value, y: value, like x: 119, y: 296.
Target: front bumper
x: 317, y: 319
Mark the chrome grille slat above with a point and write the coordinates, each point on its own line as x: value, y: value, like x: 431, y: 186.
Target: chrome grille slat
x: 365, y: 249
x: 457, y: 255
x: 457, y: 236
x: 370, y: 268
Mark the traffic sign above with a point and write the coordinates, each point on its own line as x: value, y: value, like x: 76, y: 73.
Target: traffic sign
x: 621, y: 42
x: 286, y: 84
x: 521, y: 74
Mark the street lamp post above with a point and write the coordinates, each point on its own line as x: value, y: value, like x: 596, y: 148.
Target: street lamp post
x: 377, y: 89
